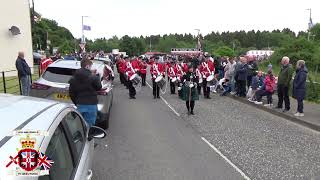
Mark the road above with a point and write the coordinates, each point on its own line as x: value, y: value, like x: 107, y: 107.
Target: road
x: 224, y: 140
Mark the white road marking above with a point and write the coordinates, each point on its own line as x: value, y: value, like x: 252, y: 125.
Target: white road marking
x: 106, y: 145
x: 169, y: 105
x: 226, y: 159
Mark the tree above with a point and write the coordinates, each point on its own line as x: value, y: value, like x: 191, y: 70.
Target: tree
x: 224, y: 51
x: 315, y: 30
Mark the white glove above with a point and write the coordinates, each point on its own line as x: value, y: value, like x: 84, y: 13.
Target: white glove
x: 154, y: 76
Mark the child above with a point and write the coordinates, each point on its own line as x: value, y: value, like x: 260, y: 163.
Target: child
x: 253, y: 87
x: 270, y: 83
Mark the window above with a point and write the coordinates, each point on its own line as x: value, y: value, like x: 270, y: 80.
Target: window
x: 58, y: 150
x: 60, y: 75
x: 76, y: 128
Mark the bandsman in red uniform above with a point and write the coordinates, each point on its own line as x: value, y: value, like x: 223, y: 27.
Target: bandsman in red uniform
x: 44, y: 63
x: 130, y: 71
x: 172, y: 73
x: 156, y: 70
x: 206, y: 69
x: 181, y: 69
x: 122, y: 70
x: 199, y: 78
x: 108, y: 74
x: 143, y: 71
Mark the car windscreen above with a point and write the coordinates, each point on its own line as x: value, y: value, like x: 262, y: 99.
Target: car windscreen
x: 59, y: 75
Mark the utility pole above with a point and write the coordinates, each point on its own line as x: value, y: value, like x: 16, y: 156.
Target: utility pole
x: 309, y: 24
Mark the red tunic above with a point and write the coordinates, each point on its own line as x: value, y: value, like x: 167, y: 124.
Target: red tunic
x: 154, y: 72
x: 44, y: 63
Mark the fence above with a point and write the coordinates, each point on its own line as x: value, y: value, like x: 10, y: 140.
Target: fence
x: 9, y: 81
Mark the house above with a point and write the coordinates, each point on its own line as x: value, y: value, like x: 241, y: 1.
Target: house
x: 15, y: 33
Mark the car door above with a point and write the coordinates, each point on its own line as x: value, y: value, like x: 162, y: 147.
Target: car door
x: 83, y: 149
x: 69, y: 148
x: 60, y: 152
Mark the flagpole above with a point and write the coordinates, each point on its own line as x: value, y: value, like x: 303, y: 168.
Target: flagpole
x: 83, y: 39
x: 309, y: 25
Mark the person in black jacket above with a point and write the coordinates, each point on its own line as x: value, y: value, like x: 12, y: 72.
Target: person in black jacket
x: 24, y: 74
x: 241, y: 74
x: 83, y: 91
x: 299, y: 86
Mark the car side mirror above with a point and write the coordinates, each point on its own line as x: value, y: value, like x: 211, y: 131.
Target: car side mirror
x: 96, y: 132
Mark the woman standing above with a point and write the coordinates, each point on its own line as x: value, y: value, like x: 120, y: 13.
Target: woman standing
x: 299, y: 86
x: 189, y: 89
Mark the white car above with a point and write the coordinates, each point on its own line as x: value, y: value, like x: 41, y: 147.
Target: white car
x: 68, y: 142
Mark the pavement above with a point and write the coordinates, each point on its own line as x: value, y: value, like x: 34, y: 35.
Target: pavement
x: 225, y: 139
x: 311, y: 111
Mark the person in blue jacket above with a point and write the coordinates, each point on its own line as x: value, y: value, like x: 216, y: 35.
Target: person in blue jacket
x: 299, y: 86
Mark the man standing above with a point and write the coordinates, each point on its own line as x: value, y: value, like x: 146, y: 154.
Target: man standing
x: 252, y: 68
x: 83, y: 91
x: 242, y: 74
x: 130, y: 72
x: 156, y: 70
x: 284, y: 79
x: 24, y: 73
x: 207, y: 69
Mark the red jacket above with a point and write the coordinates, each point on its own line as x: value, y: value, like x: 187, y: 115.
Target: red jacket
x: 143, y: 67
x: 207, y: 69
x: 172, y: 72
x: 136, y: 65
x: 154, y: 71
x: 122, y: 66
x: 44, y: 63
x: 129, y: 69
x: 270, y: 83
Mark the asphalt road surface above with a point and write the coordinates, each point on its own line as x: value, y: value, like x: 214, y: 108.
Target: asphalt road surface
x: 226, y: 139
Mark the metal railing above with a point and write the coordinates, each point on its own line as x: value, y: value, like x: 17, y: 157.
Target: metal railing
x: 10, y: 83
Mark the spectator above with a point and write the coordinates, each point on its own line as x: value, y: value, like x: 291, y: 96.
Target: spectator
x: 83, y: 91
x: 270, y: 83
x: 230, y: 71
x: 253, y: 87
x: 284, y: 80
x: 24, y: 73
x: 299, y: 86
x: 252, y: 68
x: 242, y: 74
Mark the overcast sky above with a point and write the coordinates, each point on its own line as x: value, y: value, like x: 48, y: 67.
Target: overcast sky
x: 150, y: 17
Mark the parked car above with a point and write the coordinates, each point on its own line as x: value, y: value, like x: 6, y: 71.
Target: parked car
x: 36, y: 58
x: 69, y: 141
x: 53, y: 84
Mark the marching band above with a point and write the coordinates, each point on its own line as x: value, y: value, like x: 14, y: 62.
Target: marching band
x: 180, y: 72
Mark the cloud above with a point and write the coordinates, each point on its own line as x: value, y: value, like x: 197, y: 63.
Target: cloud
x: 148, y: 17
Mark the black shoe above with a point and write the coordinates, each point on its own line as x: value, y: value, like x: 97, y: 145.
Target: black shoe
x: 278, y: 107
x: 208, y: 97
x: 191, y: 113
x: 285, y: 110
x: 158, y: 97
x: 154, y: 97
x: 132, y: 97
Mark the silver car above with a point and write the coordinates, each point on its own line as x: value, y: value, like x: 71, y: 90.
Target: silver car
x: 53, y: 84
x: 68, y: 141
